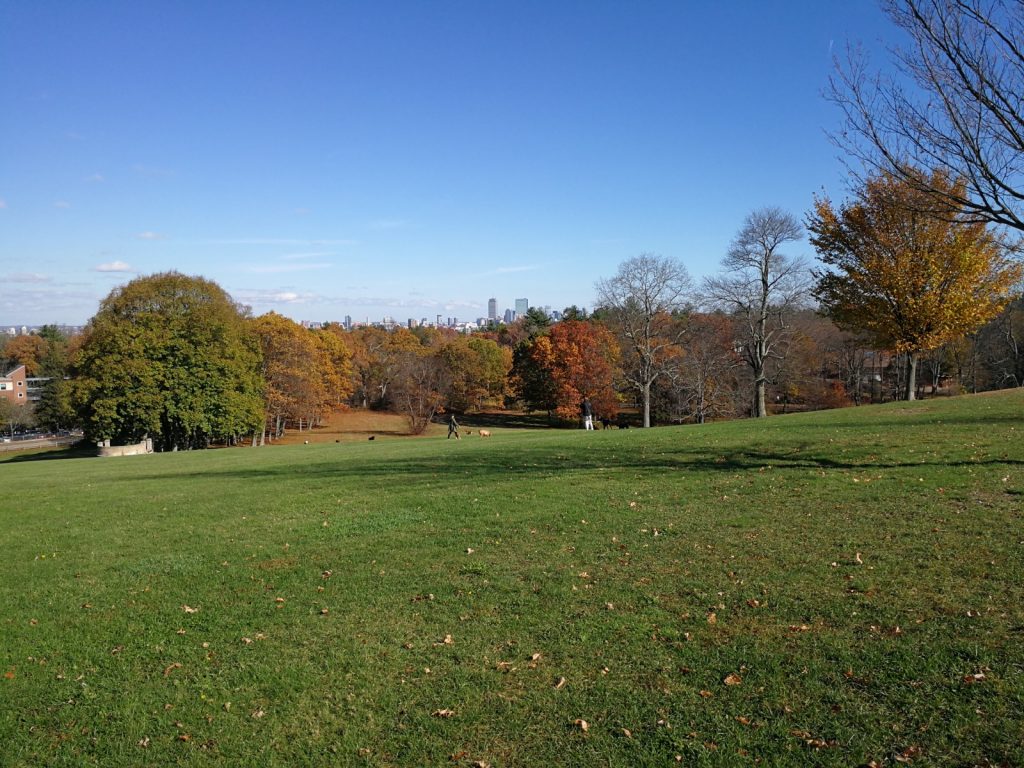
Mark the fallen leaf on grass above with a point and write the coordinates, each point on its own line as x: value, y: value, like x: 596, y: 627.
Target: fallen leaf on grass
x: 908, y: 754
x: 9, y: 674
x: 258, y: 714
x: 732, y: 679
x: 446, y: 641
x: 811, y: 741
x: 443, y: 713
x: 171, y: 667
x: 706, y: 694
x: 798, y: 628
x: 324, y: 611
x: 583, y: 725
x: 184, y: 737
x: 535, y: 657
x: 712, y: 618
x: 144, y: 742
x: 560, y: 683
x: 247, y: 640
x: 189, y: 609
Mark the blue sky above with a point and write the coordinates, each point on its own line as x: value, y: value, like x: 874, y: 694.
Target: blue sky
x: 401, y: 158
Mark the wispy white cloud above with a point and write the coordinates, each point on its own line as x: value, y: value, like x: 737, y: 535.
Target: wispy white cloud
x: 384, y: 224
x: 27, y: 277
x: 150, y: 236
x: 61, y: 204
x: 314, y: 255
x: 511, y: 270
x: 114, y: 266
x: 277, y: 241
x: 48, y: 305
x: 271, y: 296
x: 273, y: 269
x: 152, y: 171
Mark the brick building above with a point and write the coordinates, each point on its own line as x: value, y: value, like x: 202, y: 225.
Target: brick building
x: 14, y: 386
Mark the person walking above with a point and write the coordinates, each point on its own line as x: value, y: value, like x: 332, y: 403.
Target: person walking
x: 453, y: 427
x: 588, y: 414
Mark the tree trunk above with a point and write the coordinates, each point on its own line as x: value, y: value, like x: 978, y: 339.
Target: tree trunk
x: 647, y: 405
x: 911, y: 388
x: 760, y: 410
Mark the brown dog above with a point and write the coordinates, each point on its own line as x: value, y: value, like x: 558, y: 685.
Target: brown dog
x: 485, y: 433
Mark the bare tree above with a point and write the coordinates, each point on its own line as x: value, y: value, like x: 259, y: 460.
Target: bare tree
x: 956, y: 104
x: 760, y: 288
x: 640, y: 302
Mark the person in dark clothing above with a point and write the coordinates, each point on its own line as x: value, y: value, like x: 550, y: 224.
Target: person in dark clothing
x: 588, y: 414
x: 453, y: 427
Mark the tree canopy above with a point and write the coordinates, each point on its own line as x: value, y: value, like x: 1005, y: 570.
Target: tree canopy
x: 952, y: 103
x: 909, y: 269
x: 639, y: 302
x: 761, y: 288
x: 170, y: 357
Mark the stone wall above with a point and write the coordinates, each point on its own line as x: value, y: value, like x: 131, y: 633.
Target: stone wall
x: 146, y: 446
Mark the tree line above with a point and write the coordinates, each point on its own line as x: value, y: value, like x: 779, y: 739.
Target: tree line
x: 917, y: 285
x: 903, y: 282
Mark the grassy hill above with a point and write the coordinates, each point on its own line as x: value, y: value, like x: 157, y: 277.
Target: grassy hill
x: 837, y: 588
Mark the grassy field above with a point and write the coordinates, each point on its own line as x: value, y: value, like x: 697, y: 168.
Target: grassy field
x: 841, y: 588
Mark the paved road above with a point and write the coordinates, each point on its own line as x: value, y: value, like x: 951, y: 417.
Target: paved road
x: 42, y: 442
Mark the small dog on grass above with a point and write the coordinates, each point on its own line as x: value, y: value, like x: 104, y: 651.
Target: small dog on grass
x: 485, y: 433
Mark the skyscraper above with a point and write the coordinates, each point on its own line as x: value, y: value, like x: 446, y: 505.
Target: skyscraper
x: 492, y: 309
x: 522, y: 307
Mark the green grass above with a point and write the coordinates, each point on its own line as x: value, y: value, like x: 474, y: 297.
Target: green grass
x: 643, y: 567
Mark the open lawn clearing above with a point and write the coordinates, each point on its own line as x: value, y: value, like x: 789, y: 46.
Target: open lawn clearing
x: 820, y: 589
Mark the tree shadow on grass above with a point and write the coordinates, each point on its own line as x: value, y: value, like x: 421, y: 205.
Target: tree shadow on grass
x: 486, y: 465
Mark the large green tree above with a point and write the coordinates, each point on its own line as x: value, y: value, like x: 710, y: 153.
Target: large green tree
x: 169, y: 357
x: 911, y: 270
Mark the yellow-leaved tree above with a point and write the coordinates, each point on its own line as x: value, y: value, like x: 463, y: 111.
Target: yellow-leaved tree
x: 911, y: 271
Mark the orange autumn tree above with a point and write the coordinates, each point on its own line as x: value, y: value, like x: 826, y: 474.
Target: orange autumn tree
x: 912, y: 272
x: 581, y: 357
x: 29, y: 350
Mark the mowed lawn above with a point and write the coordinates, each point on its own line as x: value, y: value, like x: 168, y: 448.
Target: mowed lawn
x: 841, y: 588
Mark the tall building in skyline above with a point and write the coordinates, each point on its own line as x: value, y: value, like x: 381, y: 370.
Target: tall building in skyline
x: 522, y: 307
x: 492, y: 309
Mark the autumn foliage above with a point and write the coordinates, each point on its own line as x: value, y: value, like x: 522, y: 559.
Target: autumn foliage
x: 580, y: 358
x: 911, y: 272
